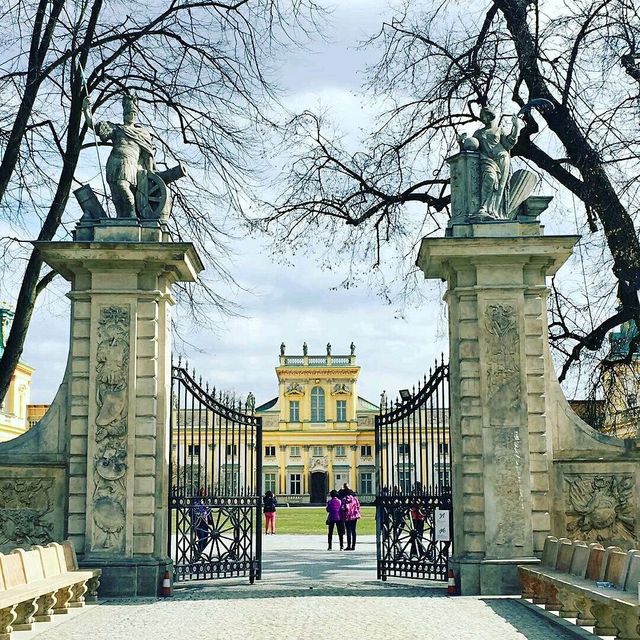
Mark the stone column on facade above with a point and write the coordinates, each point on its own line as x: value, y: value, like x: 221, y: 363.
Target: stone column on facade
x: 330, y: 479
x: 500, y: 439
x: 282, y: 468
x: 119, y: 391
x: 306, y: 472
x: 353, y: 468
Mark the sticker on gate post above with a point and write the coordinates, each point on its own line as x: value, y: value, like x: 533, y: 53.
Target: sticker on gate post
x: 443, y: 533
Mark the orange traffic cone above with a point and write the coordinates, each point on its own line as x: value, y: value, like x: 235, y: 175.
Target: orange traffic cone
x: 451, y: 583
x: 165, y: 592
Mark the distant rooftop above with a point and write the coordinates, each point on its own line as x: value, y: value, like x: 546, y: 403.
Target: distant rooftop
x: 6, y: 317
x: 324, y: 360
x: 621, y: 340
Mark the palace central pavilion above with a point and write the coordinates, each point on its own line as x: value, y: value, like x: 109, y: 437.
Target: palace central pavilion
x: 317, y: 433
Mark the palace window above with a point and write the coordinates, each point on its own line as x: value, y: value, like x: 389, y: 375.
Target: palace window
x: 341, y: 451
x: 194, y: 450
x: 232, y: 450
x: 270, y: 451
x: 443, y: 449
x: 366, y: 483
x: 295, y: 452
x: 444, y: 479
x: 295, y: 484
x: 270, y: 482
x: 317, y: 404
x: 341, y: 410
x: 317, y: 451
x: 404, y: 481
x: 365, y: 450
x: 403, y: 449
x: 294, y: 410
x: 232, y: 480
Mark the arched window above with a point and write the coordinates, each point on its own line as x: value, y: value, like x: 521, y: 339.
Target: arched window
x: 317, y: 404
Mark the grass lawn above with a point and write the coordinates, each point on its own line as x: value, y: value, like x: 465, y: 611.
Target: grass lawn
x: 311, y: 520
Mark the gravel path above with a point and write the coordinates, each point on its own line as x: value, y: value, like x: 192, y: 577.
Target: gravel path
x: 306, y: 593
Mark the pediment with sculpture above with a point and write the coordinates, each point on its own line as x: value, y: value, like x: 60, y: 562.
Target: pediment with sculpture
x: 294, y: 389
x: 341, y: 388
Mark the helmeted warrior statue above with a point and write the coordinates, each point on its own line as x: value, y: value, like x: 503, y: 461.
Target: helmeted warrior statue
x: 132, y: 154
x: 138, y: 189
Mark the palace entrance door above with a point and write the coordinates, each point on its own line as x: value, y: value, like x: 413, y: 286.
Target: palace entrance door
x: 319, y: 487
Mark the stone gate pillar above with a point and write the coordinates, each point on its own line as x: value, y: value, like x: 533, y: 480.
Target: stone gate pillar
x: 119, y: 382
x: 500, y: 439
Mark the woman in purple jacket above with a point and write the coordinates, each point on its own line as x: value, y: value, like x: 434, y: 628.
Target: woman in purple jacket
x: 334, y: 518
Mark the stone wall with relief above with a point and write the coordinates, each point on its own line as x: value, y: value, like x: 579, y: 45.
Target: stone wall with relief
x: 109, y: 495
x: 33, y: 480
x: 595, y: 481
x: 31, y: 506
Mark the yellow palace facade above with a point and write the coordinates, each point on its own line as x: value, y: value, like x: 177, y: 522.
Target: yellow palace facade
x: 16, y: 414
x: 317, y: 433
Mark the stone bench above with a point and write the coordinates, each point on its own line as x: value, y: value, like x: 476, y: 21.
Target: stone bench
x: 565, y: 581
x: 41, y: 582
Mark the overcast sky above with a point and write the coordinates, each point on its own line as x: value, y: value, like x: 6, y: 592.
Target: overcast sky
x: 298, y: 303
x: 290, y: 304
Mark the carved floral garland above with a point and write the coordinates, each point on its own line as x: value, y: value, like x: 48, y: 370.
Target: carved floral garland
x: 110, y: 459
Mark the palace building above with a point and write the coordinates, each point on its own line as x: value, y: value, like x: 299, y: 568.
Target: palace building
x: 318, y: 433
x: 15, y: 412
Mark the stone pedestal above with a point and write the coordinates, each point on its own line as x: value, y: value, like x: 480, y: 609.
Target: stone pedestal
x: 119, y: 382
x: 500, y: 439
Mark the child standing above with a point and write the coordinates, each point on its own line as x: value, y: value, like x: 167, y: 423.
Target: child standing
x: 269, y: 503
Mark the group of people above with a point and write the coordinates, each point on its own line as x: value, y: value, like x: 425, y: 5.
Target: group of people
x: 343, y: 513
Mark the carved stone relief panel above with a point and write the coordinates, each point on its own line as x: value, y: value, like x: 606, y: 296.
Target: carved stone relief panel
x: 510, y: 520
x: 318, y: 464
x: 503, y: 367
x: 600, y: 507
x: 110, y: 459
x: 31, y: 506
x: 341, y: 388
x: 294, y: 389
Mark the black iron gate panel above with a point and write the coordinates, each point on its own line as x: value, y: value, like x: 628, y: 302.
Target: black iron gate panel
x: 414, y: 501
x: 215, y: 483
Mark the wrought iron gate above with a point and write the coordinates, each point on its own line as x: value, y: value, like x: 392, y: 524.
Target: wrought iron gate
x: 413, y: 502
x: 215, y: 483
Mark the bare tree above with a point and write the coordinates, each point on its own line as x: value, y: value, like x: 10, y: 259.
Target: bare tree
x: 200, y: 69
x: 438, y: 63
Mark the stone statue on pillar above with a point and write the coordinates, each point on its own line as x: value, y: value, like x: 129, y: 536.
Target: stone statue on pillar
x: 138, y: 190
x: 495, y: 163
x: 483, y: 187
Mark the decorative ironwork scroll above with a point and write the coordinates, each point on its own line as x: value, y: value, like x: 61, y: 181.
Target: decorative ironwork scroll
x: 110, y: 458
x: 215, y: 490
x: 414, y: 482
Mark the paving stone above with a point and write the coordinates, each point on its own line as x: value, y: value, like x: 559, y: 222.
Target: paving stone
x: 307, y: 593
